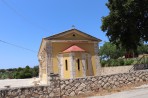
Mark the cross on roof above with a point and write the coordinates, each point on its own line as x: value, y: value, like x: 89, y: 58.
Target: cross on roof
x: 73, y: 26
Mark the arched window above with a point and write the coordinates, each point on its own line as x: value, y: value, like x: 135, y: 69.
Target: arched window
x: 78, y: 62
x: 66, y: 65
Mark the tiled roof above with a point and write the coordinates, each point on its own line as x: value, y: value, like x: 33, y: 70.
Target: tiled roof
x: 74, y: 48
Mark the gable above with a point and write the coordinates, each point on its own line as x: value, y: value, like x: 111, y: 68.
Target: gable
x: 73, y: 34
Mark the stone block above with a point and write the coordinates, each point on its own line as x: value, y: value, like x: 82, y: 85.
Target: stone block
x: 72, y: 93
x: 66, y: 82
x: 77, y: 84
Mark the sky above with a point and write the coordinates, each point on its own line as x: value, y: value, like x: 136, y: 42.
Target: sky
x: 25, y: 22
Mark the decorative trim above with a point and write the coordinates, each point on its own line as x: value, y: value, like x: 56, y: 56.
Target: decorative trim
x: 73, y: 31
x: 82, y: 41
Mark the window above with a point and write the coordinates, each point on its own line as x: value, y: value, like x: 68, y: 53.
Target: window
x: 87, y: 64
x: 78, y: 62
x: 73, y: 35
x: 66, y: 65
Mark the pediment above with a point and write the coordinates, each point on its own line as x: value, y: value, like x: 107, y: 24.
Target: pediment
x: 73, y: 34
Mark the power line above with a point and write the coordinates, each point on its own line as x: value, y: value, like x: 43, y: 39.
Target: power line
x: 22, y: 16
x: 18, y: 46
x: 13, y: 9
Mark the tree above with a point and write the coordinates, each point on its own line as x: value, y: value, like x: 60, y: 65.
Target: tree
x: 110, y: 51
x: 143, y: 49
x: 35, y: 71
x: 127, y: 23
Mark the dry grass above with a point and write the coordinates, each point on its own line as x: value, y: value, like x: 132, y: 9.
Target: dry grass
x: 108, y: 91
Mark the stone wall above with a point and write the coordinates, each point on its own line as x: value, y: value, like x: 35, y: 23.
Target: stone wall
x: 71, y: 87
x: 29, y: 92
x: 115, y: 70
x: 98, y: 83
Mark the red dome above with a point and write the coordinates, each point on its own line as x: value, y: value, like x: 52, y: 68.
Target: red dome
x: 74, y: 48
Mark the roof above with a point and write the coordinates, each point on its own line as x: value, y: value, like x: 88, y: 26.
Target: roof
x: 67, y: 32
x: 74, y: 48
x: 53, y: 37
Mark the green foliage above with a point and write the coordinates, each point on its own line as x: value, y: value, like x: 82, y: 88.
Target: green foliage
x: 4, y: 76
x: 103, y: 63
x: 113, y: 62
x: 127, y: 23
x: 19, y: 73
x: 27, y: 75
x: 110, y: 51
x: 121, y: 62
x: 116, y: 62
x: 143, y: 49
x: 129, y: 61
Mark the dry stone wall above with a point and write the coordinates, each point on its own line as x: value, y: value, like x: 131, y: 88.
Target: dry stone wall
x: 71, y: 87
x: 98, y: 83
x: 30, y: 92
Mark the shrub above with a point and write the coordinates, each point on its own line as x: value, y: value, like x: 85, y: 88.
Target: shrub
x: 121, y: 61
x: 103, y: 63
x: 4, y: 76
x: 129, y: 61
x: 116, y: 62
x: 27, y: 75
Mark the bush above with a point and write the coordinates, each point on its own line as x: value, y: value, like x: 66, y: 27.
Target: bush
x: 19, y: 73
x: 27, y: 75
x: 4, y: 76
x: 121, y: 62
x: 113, y: 62
x: 116, y: 62
x: 129, y: 61
x: 103, y: 63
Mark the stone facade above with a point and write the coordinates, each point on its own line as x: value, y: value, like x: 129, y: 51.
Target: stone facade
x: 71, y: 87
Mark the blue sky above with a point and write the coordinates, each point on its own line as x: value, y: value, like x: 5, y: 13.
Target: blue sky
x: 26, y: 22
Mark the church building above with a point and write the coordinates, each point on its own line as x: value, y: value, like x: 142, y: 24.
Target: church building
x: 71, y: 54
